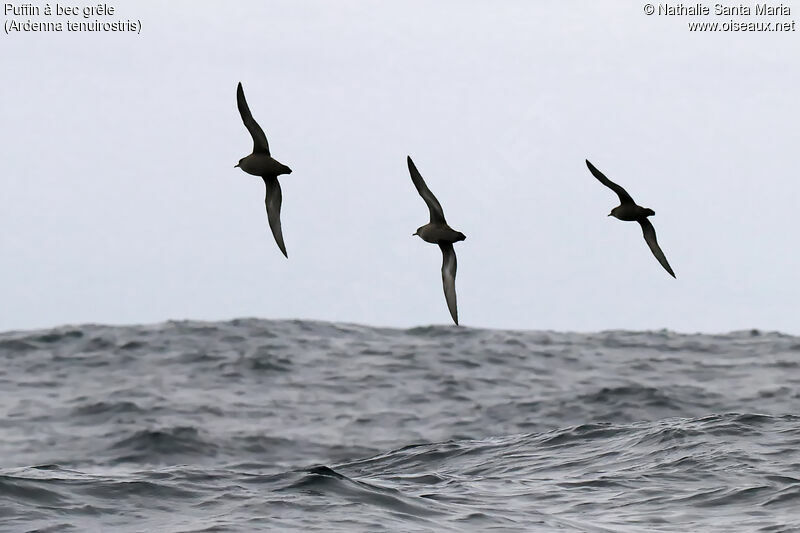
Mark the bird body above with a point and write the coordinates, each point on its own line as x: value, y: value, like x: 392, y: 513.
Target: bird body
x: 437, y: 231
x: 628, y: 210
x: 439, y: 234
x: 631, y: 212
x: 261, y: 163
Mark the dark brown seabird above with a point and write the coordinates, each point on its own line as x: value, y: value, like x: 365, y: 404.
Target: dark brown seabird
x: 260, y: 163
x: 438, y: 232
x: 628, y: 210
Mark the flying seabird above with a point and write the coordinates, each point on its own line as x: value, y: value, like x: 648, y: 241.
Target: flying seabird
x: 260, y: 163
x: 628, y: 210
x: 438, y: 232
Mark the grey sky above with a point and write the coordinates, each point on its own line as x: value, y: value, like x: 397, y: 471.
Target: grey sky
x: 120, y: 203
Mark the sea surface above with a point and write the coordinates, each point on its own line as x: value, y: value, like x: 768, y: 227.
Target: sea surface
x: 260, y: 425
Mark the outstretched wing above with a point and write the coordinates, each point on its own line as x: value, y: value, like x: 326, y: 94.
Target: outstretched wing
x: 437, y: 214
x: 449, y: 265
x: 650, y: 237
x: 260, y: 144
x: 273, y: 201
x: 624, y: 197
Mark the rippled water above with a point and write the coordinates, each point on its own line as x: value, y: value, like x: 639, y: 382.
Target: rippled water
x: 291, y: 425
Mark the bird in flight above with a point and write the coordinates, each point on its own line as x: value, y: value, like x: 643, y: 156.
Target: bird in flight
x: 629, y: 210
x: 260, y: 163
x: 438, y: 232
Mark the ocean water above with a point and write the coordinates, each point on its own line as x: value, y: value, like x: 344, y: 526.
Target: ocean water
x: 256, y: 425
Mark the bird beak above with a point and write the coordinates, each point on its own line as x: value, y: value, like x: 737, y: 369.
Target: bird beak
x: 608, y: 215
x: 236, y: 165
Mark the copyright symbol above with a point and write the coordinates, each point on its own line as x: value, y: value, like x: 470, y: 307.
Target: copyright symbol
x: 649, y: 9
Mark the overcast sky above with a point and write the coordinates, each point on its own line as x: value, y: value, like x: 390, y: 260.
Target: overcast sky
x: 120, y: 202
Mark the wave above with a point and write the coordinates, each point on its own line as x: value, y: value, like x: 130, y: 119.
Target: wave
x: 566, y: 479
x: 285, y: 425
x: 157, y: 446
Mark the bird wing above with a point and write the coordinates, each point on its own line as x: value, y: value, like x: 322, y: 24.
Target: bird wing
x: 624, y: 197
x: 260, y: 144
x: 437, y: 214
x: 449, y: 265
x: 273, y: 201
x: 650, y: 237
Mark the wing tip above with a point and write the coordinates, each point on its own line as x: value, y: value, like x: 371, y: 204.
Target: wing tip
x: 412, y: 169
x: 453, y: 312
x: 281, y: 246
